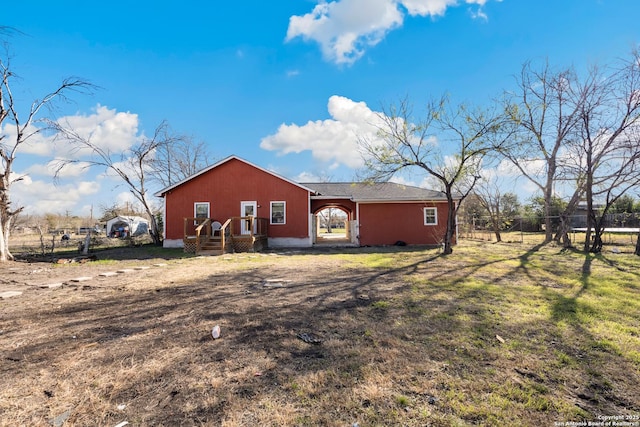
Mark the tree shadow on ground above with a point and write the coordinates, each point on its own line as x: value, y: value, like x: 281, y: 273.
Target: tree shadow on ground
x: 417, y: 330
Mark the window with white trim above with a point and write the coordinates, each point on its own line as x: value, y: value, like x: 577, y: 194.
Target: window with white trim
x: 430, y: 216
x: 201, y: 209
x: 278, y: 213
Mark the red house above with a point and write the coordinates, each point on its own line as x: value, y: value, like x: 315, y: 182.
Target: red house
x: 237, y: 205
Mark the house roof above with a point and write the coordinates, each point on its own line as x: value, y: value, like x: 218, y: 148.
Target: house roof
x: 355, y: 191
x: 372, y: 192
x: 162, y: 192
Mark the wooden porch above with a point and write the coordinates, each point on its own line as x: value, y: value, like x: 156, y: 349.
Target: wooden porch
x: 206, y: 236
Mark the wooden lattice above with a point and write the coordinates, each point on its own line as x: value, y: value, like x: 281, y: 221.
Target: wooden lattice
x: 190, y: 247
x: 243, y: 245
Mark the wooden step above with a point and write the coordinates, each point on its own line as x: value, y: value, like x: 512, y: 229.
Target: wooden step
x: 210, y: 247
x: 213, y: 246
x: 210, y: 252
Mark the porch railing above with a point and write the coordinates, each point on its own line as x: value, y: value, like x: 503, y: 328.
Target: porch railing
x: 206, y: 224
x: 237, y: 233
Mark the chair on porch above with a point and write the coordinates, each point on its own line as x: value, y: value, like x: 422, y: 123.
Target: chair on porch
x: 215, y: 228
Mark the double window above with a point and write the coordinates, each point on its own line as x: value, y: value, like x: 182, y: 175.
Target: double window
x: 278, y: 213
x: 430, y: 216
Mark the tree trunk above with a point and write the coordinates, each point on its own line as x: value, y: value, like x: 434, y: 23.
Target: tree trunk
x: 87, y: 242
x: 5, y: 227
x: 565, y: 218
x: 563, y: 232
x: 155, y: 233
x: 591, y: 215
x: 495, y: 223
x: 4, y: 250
x: 451, y: 223
x: 596, y: 246
x: 548, y: 200
x: 5, y: 219
x: 637, y: 251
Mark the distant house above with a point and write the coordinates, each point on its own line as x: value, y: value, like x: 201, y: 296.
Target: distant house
x: 248, y: 207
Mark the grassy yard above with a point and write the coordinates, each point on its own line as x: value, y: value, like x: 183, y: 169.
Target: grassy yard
x: 495, y: 334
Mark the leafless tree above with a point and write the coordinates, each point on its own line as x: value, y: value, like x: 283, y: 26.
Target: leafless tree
x: 178, y: 157
x: 610, y: 140
x: 498, y: 206
x: 544, y: 115
x: 448, y: 144
x: 330, y: 217
x: 23, y: 128
x: 132, y: 166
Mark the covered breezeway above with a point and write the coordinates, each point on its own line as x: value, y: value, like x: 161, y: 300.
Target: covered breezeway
x: 330, y: 218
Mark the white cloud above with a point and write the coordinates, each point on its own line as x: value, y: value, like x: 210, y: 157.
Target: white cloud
x: 39, y: 196
x: 37, y: 143
x: 308, y: 177
x: 345, y: 28
x: 125, y: 197
x: 112, y: 131
x: 77, y: 185
x: 427, y: 7
x: 333, y: 140
x: 72, y: 170
x: 399, y: 179
x: 108, y: 129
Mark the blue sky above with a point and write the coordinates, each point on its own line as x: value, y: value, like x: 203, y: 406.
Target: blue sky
x: 285, y: 84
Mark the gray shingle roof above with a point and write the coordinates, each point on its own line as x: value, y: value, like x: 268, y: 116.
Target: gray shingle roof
x: 378, y: 191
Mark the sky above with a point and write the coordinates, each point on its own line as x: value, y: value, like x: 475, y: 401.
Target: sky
x: 287, y: 85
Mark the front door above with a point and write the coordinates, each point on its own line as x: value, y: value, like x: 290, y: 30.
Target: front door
x: 247, y: 209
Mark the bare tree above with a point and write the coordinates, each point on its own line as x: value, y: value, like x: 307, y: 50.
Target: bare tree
x: 24, y: 128
x: 498, y: 206
x: 544, y: 113
x: 132, y: 166
x: 179, y: 157
x: 610, y: 141
x: 448, y: 145
x: 115, y: 209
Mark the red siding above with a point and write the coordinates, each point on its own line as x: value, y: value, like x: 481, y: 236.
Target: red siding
x: 387, y: 223
x: 225, y: 186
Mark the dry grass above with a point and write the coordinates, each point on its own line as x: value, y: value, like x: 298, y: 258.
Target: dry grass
x: 408, y: 338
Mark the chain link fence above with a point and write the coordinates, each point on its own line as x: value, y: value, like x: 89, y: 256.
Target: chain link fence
x: 621, y: 229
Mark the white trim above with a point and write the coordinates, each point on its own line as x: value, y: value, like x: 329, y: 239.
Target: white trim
x: 357, y: 226
x: 164, y: 219
x: 243, y: 223
x: 387, y: 201
x: 284, y: 212
x: 195, y: 213
x: 253, y: 203
x: 435, y: 215
x: 311, y: 229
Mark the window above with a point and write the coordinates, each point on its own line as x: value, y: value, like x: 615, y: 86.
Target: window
x: 278, y: 213
x: 430, y: 216
x: 201, y: 209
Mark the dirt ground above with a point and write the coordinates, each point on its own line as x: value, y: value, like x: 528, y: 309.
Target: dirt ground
x: 306, y: 338
x: 98, y: 342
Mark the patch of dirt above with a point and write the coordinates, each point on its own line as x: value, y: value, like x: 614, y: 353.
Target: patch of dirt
x: 305, y: 338
x: 142, y: 338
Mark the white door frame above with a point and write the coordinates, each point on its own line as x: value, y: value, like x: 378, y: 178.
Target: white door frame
x: 244, y: 224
